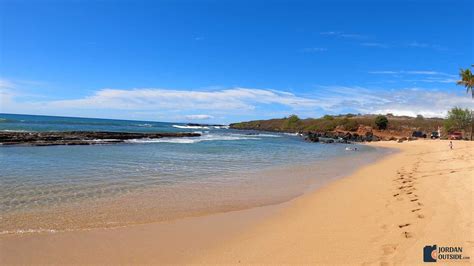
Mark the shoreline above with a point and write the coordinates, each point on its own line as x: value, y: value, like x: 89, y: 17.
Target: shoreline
x: 354, y: 220
x: 269, y: 186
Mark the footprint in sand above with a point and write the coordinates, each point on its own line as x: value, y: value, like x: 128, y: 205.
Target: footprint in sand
x: 421, y: 216
x: 415, y: 210
x: 414, y: 200
x: 389, y: 249
x: 396, y: 194
x: 403, y: 225
x: 407, y: 234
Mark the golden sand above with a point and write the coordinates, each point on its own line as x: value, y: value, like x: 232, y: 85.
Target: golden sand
x: 385, y: 212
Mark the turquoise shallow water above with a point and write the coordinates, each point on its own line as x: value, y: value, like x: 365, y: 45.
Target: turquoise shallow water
x: 36, y: 180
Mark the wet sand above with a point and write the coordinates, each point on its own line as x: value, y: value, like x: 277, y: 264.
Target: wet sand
x: 382, y: 213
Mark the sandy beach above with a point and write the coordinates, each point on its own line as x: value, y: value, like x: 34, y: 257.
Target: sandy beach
x: 383, y: 213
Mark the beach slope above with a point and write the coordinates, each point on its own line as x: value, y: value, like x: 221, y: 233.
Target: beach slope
x: 383, y: 213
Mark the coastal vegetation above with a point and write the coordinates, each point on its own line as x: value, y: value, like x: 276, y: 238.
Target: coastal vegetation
x: 382, y: 124
x: 386, y: 126
x: 467, y: 80
x: 458, y: 119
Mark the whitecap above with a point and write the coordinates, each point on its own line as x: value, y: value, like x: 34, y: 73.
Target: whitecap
x: 144, y: 125
x: 221, y: 127
x: 190, y: 127
x: 186, y: 140
x: 269, y: 135
x: 14, y: 130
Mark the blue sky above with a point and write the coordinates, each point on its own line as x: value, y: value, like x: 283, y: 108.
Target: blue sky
x: 225, y: 61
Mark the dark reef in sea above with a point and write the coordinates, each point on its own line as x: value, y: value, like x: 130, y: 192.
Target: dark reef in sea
x: 204, y: 125
x: 80, y: 137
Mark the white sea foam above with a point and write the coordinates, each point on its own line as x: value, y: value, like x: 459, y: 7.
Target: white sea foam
x: 293, y: 134
x: 13, y: 130
x: 27, y: 231
x: 190, y: 127
x: 221, y: 127
x: 144, y: 125
x: 269, y: 135
x: 200, y: 127
x: 186, y: 140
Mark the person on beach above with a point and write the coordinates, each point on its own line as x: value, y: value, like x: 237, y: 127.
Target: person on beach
x: 451, y: 145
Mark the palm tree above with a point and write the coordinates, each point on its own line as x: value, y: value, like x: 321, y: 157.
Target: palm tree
x: 467, y: 80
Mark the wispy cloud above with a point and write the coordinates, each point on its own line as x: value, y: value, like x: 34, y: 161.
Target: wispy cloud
x: 233, y: 102
x: 384, y: 72
x: 6, y: 84
x: 428, y: 76
x: 227, y: 99
x: 340, y: 34
x: 375, y: 44
x: 314, y: 50
x: 407, y: 101
x: 371, y: 41
x: 416, y: 44
x: 413, y: 72
x: 198, y: 117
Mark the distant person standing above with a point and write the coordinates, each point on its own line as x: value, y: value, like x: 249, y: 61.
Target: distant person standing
x: 451, y: 145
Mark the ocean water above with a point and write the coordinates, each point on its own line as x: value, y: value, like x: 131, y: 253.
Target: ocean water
x: 59, y: 188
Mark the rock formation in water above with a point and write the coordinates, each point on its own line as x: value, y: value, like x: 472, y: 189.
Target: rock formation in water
x: 80, y: 137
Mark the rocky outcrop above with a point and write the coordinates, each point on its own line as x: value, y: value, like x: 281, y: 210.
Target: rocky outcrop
x: 204, y: 125
x: 80, y: 137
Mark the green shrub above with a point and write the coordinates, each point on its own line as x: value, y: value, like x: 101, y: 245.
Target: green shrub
x: 419, y: 118
x: 458, y: 119
x: 381, y: 122
x: 292, y: 122
x: 349, y: 124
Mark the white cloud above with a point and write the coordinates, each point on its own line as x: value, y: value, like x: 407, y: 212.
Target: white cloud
x: 199, y: 117
x: 143, y: 99
x: 6, y: 84
x: 175, y: 105
x: 407, y: 101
